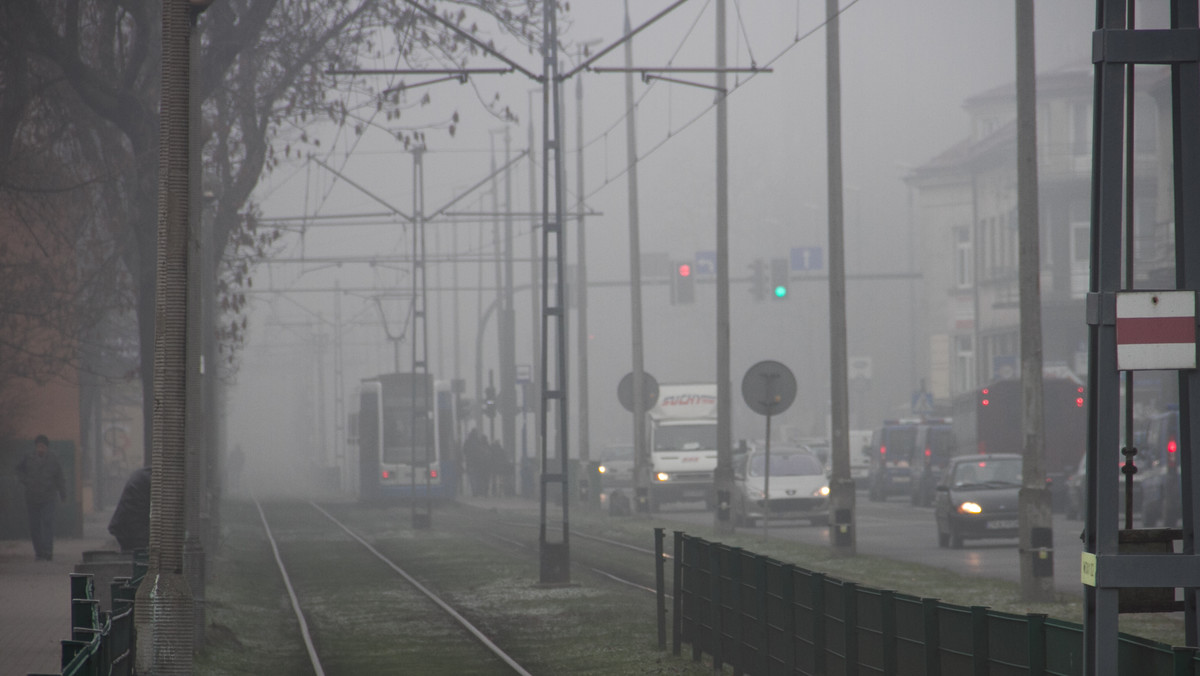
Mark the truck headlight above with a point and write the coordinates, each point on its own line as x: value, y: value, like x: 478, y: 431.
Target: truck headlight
x: 662, y: 476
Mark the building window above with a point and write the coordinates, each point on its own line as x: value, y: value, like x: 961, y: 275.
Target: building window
x: 962, y: 258
x: 964, y: 364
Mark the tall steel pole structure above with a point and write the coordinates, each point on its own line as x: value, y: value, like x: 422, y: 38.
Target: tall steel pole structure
x: 422, y: 384
x: 555, y: 555
x: 841, y: 485
x: 1106, y: 570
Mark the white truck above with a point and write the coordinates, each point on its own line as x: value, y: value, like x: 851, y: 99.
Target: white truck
x: 683, y: 445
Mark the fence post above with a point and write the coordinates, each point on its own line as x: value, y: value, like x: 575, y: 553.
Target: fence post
x: 887, y: 604
x: 1183, y: 659
x: 761, y: 583
x: 933, y: 637
x: 1037, y: 644
x: 979, y: 640
x: 817, y: 580
x: 787, y: 589
x: 660, y: 589
x: 737, y: 606
x: 850, y: 626
x: 714, y: 604
x: 677, y: 601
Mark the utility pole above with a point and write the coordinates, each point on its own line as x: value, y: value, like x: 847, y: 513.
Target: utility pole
x: 581, y: 295
x: 723, y: 477
x: 164, y: 618
x: 641, y: 454
x: 841, y: 486
x: 1036, y: 536
x: 508, y: 340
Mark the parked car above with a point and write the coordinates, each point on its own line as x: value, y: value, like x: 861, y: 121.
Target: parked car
x: 798, y: 487
x: 1077, y: 490
x: 935, y: 446
x: 616, y: 465
x: 1158, y: 463
x: 977, y: 498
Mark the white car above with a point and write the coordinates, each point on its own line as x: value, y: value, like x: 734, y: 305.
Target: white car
x: 616, y: 465
x: 797, y: 483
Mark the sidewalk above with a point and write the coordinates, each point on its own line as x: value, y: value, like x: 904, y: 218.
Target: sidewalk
x: 35, y: 598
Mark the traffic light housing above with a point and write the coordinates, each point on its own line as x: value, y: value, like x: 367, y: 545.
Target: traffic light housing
x: 780, y: 272
x: 683, y: 284
x: 758, y: 281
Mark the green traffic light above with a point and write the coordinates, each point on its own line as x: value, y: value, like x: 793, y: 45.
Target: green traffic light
x: 781, y: 292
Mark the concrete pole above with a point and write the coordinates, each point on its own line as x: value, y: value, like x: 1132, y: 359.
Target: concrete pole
x: 641, y: 454
x: 1036, y: 540
x: 842, y: 523
x: 723, y: 478
x: 581, y: 289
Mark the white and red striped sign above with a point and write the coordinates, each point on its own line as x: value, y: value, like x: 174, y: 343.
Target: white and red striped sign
x: 1156, y: 330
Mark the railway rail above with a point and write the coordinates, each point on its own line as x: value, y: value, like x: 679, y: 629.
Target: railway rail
x: 371, y: 595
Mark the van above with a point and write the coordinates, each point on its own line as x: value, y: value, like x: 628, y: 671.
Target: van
x: 892, y: 449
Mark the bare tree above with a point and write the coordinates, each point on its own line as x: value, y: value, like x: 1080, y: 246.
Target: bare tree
x: 89, y: 70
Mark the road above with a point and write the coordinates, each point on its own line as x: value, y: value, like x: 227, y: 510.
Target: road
x: 897, y: 530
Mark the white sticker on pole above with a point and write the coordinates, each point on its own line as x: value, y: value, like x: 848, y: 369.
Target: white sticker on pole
x: 1156, y: 330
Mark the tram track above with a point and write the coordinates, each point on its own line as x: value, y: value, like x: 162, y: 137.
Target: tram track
x: 307, y: 617
x: 471, y: 584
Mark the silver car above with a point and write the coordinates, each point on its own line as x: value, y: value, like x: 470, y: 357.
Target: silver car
x: 792, y: 486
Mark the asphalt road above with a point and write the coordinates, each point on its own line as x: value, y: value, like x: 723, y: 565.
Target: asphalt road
x: 897, y: 530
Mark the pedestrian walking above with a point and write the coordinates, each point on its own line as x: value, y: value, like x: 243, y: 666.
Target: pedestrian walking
x: 475, y: 452
x: 130, y: 522
x: 42, y: 477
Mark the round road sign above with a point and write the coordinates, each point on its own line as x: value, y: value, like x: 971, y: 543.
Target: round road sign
x: 769, y: 388
x: 649, y: 391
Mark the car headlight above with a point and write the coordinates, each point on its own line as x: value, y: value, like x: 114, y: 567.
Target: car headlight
x: 755, y: 494
x: 662, y: 476
x: 821, y: 492
x: 602, y: 469
x: 970, y: 508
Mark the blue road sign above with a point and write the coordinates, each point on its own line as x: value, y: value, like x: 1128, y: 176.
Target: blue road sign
x: 706, y: 263
x: 805, y: 258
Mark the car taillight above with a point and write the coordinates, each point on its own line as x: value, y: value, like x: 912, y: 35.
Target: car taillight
x: 928, y: 453
x: 883, y: 450
x: 385, y: 474
x: 1171, y: 456
x: 433, y: 474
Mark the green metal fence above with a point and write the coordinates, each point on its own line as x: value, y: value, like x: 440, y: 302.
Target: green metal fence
x: 764, y: 617
x: 102, y: 641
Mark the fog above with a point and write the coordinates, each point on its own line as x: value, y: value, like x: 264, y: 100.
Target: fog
x: 906, y: 69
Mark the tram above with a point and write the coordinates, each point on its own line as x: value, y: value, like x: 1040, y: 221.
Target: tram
x: 407, y: 442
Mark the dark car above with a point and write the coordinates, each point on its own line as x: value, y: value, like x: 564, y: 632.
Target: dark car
x: 892, y: 450
x: 935, y: 446
x: 1158, y: 469
x: 977, y: 498
x: 1077, y: 490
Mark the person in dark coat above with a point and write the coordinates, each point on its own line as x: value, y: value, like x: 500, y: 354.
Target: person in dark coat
x: 475, y: 452
x: 45, y: 485
x: 130, y: 522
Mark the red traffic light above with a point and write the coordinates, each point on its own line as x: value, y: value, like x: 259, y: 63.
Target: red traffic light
x: 685, y: 270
